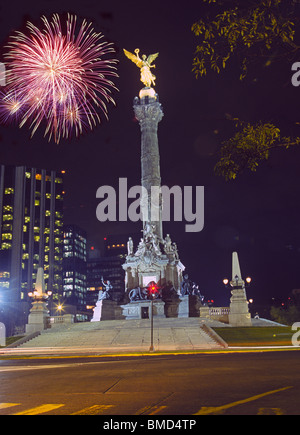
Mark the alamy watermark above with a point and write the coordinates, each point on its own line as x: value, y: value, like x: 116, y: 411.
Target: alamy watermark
x: 296, y: 76
x: 188, y: 204
x: 2, y: 74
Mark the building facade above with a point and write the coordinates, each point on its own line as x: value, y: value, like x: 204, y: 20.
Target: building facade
x: 31, y: 221
x: 75, y: 270
x: 110, y: 269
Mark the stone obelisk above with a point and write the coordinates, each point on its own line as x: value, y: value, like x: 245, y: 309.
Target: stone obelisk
x: 239, y: 309
x: 38, y: 318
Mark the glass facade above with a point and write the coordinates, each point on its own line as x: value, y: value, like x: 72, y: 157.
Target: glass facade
x: 74, y: 269
x: 110, y: 268
x: 31, y: 236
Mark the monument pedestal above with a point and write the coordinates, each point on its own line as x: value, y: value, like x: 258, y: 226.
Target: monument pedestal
x: 38, y: 318
x: 106, y: 310
x: 2, y: 335
x: 172, y: 307
x: 142, y: 310
x: 189, y: 306
x: 239, y: 311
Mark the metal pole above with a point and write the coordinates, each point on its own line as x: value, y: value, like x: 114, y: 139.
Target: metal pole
x: 151, y: 319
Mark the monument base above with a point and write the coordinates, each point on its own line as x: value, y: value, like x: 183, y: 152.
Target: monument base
x: 189, y: 306
x: 239, y: 311
x: 172, y: 307
x: 38, y: 318
x: 142, y: 310
x: 2, y: 335
x: 106, y: 310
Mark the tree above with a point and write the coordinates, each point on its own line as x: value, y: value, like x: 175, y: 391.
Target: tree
x: 285, y: 316
x: 250, y: 145
x: 248, y: 30
x: 251, y: 32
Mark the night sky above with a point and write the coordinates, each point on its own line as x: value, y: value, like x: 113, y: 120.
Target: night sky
x: 257, y: 215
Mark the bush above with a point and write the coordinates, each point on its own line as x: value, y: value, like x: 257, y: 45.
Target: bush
x: 286, y: 316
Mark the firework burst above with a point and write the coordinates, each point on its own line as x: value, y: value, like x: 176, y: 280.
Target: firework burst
x: 59, y: 77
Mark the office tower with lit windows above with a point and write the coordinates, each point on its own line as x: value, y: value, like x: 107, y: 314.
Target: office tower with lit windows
x: 31, y: 221
x: 74, y: 271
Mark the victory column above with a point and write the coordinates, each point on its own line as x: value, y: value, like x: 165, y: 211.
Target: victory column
x: 156, y: 260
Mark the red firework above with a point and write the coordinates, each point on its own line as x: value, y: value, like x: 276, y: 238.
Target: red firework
x: 58, y: 76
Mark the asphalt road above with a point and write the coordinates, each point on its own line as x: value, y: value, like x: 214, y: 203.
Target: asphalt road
x: 172, y: 385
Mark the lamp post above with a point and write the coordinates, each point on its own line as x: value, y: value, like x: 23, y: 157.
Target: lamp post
x: 153, y: 294
x: 151, y: 349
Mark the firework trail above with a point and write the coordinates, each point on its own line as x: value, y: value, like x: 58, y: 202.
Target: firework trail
x: 58, y: 76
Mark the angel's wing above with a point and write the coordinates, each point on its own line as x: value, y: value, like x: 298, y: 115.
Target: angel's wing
x: 152, y: 57
x: 133, y: 58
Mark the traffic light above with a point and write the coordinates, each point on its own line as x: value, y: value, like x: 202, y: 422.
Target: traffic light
x: 153, y: 290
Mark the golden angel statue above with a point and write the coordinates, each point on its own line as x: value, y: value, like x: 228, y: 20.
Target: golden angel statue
x: 145, y: 66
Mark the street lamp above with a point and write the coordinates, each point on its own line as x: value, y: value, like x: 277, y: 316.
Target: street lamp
x: 235, y: 282
x: 59, y: 308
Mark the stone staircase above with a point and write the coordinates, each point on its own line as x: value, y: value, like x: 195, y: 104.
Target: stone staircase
x: 128, y: 335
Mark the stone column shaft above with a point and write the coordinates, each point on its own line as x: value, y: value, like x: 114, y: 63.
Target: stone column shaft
x: 149, y: 113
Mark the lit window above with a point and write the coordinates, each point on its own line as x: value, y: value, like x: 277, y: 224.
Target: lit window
x: 6, y: 236
x: 7, y: 208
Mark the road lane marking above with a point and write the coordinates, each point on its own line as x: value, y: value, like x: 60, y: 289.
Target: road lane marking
x: 157, y: 410
x: 56, y: 366
x: 40, y: 409
x: 213, y: 410
x: 150, y: 410
x: 93, y: 410
x: 41, y: 367
x: 270, y: 411
x: 8, y: 405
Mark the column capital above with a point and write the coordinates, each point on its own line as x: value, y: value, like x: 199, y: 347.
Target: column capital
x: 147, y: 111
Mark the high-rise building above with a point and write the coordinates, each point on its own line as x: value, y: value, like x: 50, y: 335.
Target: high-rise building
x: 108, y: 266
x: 110, y: 269
x: 74, y: 270
x: 31, y: 221
x: 116, y: 245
